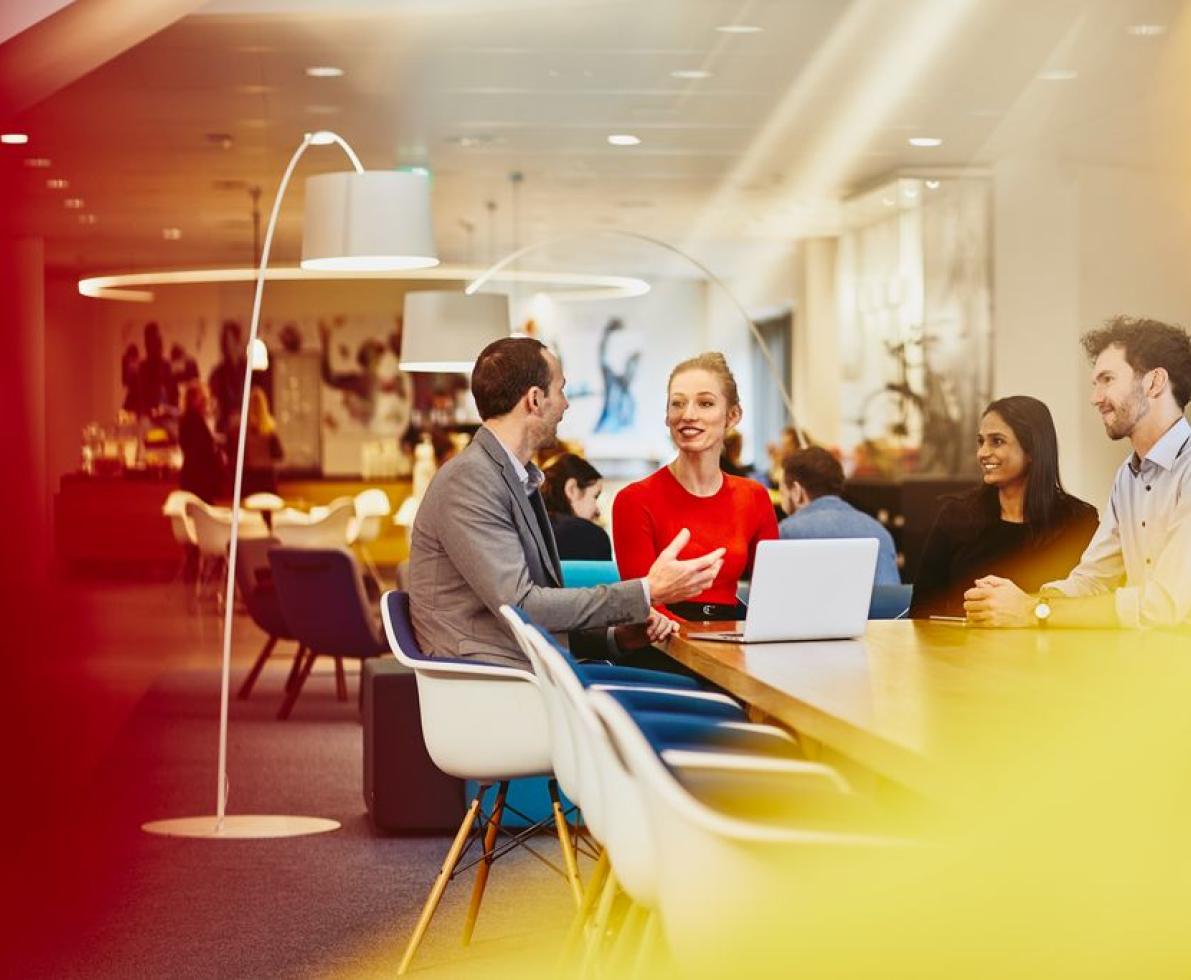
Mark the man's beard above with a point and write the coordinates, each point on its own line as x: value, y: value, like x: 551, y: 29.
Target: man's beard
x: 1127, y: 415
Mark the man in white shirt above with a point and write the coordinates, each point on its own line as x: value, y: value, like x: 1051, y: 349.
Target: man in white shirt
x: 1136, y: 571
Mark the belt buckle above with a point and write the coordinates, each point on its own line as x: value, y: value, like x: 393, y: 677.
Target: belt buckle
x: 707, y: 610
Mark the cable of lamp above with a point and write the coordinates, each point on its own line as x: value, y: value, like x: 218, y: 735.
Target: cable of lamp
x: 513, y: 256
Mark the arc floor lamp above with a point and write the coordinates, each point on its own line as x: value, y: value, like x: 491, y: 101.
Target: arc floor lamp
x: 476, y: 317
x: 353, y: 220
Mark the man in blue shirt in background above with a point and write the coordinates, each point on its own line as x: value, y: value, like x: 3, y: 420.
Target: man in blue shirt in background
x: 811, y: 484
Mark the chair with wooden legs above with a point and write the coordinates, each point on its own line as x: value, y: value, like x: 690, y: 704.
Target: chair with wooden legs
x: 325, y: 604
x: 485, y: 723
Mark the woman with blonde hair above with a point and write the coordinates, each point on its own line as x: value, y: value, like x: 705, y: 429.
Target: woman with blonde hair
x: 262, y: 447
x: 693, y: 492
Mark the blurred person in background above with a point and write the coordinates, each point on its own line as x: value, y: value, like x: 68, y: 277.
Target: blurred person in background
x: 812, y: 489
x: 156, y: 391
x: 1020, y: 524
x: 226, y: 381
x: 571, y: 494
x: 202, y: 463
x: 262, y: 447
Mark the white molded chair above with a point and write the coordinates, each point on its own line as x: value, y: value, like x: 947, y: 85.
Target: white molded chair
x: 322, y: 528
x: 371, y: 507
x: 730, y: 880
x: 211, y: 531
x: 175, y: 509
x: 483, y: 722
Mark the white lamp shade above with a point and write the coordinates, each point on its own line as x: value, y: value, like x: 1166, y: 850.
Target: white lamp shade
x: 445, y: 331
x: 377, y: 219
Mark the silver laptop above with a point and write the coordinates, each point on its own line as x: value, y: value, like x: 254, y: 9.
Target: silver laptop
x: 807, y: 590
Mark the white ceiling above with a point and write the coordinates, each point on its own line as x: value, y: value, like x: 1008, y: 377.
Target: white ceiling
x: 793, y: 118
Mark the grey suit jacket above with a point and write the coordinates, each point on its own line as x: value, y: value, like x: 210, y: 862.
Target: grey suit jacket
x: 475, y: 544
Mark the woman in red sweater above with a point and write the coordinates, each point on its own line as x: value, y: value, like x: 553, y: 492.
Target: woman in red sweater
x: 702, y: 405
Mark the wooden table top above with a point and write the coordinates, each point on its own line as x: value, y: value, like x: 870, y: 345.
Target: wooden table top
x: 925, y: 703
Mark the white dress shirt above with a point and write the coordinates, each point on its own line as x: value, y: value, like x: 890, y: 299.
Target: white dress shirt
x: 1142, y: 548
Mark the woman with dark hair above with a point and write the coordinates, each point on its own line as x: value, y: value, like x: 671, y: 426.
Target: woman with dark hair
x: 571, y: 494
x: 202, y: 463
x: 1020, y: 525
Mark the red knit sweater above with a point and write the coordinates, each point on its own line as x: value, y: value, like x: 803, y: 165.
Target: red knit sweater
x: 646, y: 516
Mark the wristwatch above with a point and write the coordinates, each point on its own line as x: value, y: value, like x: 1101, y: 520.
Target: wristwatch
x: 1042, y: 611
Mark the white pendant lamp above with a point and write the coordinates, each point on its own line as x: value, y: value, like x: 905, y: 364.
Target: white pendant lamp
x: 369, y: 220
x: 445, y: 331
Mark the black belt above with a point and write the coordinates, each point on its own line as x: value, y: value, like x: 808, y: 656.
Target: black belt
x: 703, y: 612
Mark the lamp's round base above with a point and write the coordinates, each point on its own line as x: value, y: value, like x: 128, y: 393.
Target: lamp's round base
x: 241, y: 827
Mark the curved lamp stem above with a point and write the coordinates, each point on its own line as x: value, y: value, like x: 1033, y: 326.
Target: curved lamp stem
x: 322, y: 138
x: 492, y: 270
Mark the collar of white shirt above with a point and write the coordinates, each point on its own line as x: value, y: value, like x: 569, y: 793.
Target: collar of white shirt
x: 530, y: 476
x: 1167, y: 449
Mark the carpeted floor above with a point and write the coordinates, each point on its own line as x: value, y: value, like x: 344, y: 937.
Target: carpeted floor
x: 107, y: 900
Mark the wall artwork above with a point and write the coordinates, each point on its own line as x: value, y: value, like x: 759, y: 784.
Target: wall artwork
x: 341, y: 375
x: 616, y: 356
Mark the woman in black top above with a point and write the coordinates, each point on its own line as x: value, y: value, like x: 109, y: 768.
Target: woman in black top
x: 202, y: 462
x: 1021, y: 524
x: 571, y: 494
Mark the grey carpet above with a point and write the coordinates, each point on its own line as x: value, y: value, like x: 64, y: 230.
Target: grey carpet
x: 332, y: 904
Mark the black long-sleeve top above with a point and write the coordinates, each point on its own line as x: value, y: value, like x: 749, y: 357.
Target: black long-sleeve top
x: 970, y: 539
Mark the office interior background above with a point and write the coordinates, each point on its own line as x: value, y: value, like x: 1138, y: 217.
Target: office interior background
x: 940, y: 195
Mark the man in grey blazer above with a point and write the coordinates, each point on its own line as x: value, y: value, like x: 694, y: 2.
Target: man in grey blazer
x: 481, y: 537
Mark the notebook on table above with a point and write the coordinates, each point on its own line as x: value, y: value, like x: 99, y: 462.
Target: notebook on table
x: 806, y: 590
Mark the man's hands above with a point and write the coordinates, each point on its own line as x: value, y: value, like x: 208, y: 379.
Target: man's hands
x: 656, y: 629
x: 672, y: 580
x: 996, y: 601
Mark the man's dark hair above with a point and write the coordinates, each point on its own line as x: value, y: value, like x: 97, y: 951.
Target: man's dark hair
x: 816, y: 469
x: 1147, y: 344
x: 505, y: 370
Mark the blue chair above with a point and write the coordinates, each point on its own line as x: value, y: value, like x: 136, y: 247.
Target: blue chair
x: 580, y: 574
x: 254, y: 579
x: 890, y: 601
x: 325, y: 603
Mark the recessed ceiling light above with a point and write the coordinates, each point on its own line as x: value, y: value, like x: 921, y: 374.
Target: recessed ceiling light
x: 739, y: 29
x: 38, y: 163
x: 924, y: 141
x: 57, y: 183
x: 932, y: 185
x: 87, y: 219
x: 324, y: 71
x: 1058, y: 75
x: 624, y: 139
x: 73, y: 203
x: 171, y: 234
x: 14, y: 139
x: 1146, y: 30
x: 690, y: 73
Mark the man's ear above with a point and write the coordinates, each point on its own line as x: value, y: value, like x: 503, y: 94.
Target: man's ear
x: 1159, y: 379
